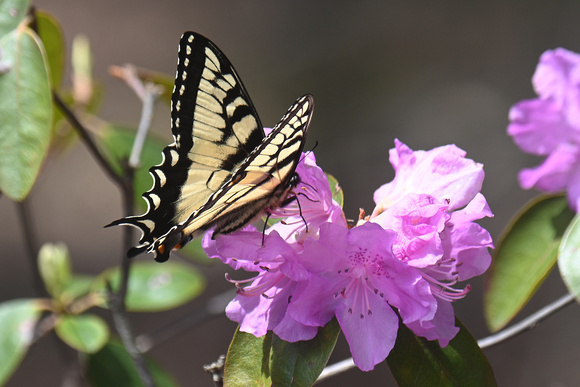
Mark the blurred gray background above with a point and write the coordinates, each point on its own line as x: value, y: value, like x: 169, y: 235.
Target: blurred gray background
x: 427, y: 74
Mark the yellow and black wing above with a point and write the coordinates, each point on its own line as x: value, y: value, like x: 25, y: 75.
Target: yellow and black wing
x: 222, y: 170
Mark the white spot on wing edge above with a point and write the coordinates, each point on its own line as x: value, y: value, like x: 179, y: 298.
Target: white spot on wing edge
x: 161, y: 176
x: 148, y: 223
x: 174, y: 157
x: 155, y: 200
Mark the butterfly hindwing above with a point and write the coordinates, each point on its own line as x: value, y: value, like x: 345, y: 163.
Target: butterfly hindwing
x: 221, y: 169
x: 263, y: 179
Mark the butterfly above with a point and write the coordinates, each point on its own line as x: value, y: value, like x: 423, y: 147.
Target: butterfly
x: 222, y: 171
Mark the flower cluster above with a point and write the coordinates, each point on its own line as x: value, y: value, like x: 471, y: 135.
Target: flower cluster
x: 550, y: 126
x: 400, y: 263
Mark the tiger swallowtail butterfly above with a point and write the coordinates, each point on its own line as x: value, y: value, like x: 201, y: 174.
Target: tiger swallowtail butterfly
x: 222, y: 170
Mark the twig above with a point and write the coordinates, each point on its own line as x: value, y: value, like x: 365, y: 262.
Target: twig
x: 117, y: 306
x: 88, y: 141
x: 335, y: 369
x: 32, y: 247
x: 487, y: 342
x: 527, y: 323
x: 151, y: 94
x: 148, y: 93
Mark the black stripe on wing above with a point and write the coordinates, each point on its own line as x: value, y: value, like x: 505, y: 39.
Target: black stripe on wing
x: 215, y: 128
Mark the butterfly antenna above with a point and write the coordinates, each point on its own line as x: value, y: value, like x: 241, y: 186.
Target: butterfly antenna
x: 307, y: 153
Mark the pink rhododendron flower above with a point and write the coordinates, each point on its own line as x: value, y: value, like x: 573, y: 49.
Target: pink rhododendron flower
x: 358, y: 279
x: 401, y: 263
x: 262, y: 305
x: 550, y: 126
x: 443, y: 173
x: 432, y: 204
x: 313, y: 203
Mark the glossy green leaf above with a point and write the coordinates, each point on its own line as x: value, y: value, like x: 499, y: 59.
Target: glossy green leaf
x: 50, y: 32
x: 86, y: 332
x: 336, y: 189
x: 267, y: 360
x: 415, y: 361
x: 112, y: 366
x: 569, y: 258
x: 12, y: 12
x: 18, y: 319
x: 55, y: 267
x: 117, y: 143
x: 524, y: 257
x: 154, y: 286
x: 26, y: 111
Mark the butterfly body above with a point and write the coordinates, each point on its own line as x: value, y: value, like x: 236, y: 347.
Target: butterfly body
x: 222, y: 170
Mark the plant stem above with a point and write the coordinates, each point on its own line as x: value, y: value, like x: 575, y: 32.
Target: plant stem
x: 87, y: 140
x: 32, y: 247
x: 526, y: 324
x: 117, y: 306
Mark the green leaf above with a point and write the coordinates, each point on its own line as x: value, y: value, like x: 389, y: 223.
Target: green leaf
x: 112, y: 366
x: 86, y: 333
x: 415, y: 361
x: 154, y: 286
x: 569, y: 257
x: 12, y: 12
x: 55, y: 267
x: 78, y: 286
x: 336, y: 189
x: 26, y: 111
x: 18, y: 319
x: 524, y: 257
x: 268, y: 360
x: 50, y: 32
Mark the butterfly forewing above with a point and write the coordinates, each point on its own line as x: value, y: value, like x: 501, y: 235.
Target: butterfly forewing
x: 221, y: 170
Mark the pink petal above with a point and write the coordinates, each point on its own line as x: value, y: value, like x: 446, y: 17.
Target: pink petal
x: 371, y: 337
x: 538, y: 126
x: 553, y: 174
